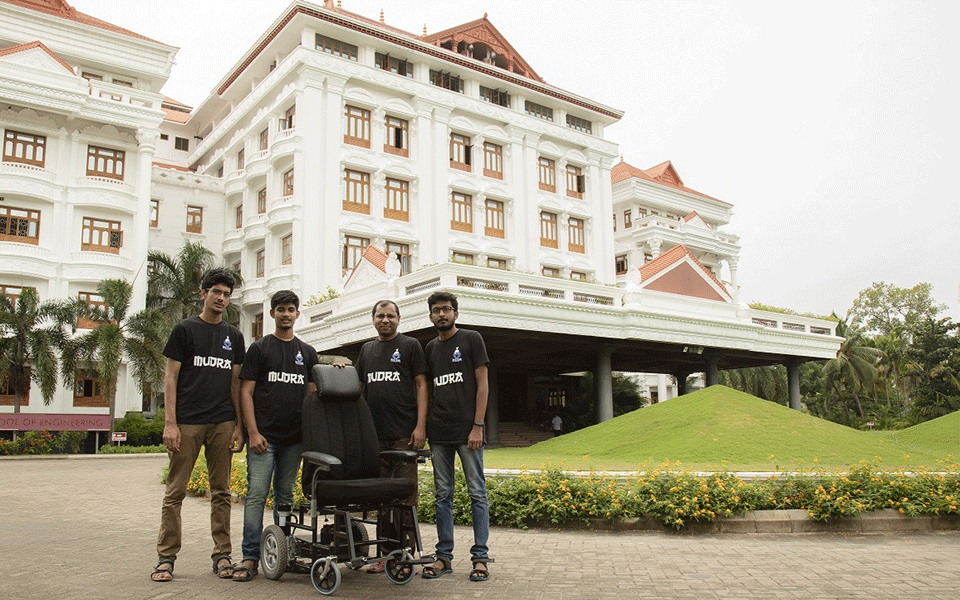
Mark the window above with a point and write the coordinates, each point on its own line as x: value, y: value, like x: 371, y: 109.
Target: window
x: 494, y: 220
x: 399, y: 66
x: 460, y: 152
x: 100, y: 235
x: 195, y: 219
x: 578, y: 276
x: 495, y: 96
x: 446, y: 81
x: 97, y: 310
x: 336, y: 47
x: 357, y: 128
x: 241, y: 159
x: 240, y: 215
x: 24, y: 148
x: 535, y: 110
x: 614, y: 222
x: 236, y: 266
x: 11, y: 292
x: 492, y: 160
x: 262, y: 201
x: 88, y: 391
x: 220, y: 170
x: 641, y: 213
x: 356, y: 191
x: 550, y: 272
x: 91, y: 76
x: 353, y: 248
x: 264, y: 139
x: 121, y: 82
x: 19, y: 225
x: 288, y: 183
x: 403, y: 255
x: 181, y: 144
x: 286, y: 121
x: 576, y: 243
x: 104, y: 162
x: 256, y: 328
x: 260, y: 263
x: 8, y: 395
x: 286, y: 249
x: 574, y: 181
x: 463, y: 258
x: 164, y: 137
x: 621, y: 264
x: 154, y: 213
x: 548, y: 174
x: 398, y: 141
x: 398, y: 200
x: 462, y: 216
x: 627, y: 219
x: 579, y: 124
x: 548, y: 230
x: 497, y: 263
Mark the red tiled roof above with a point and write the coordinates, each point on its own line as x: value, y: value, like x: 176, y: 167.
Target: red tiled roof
x: 59, y: 8
x: 37, y: 44
x: 670, y: 258
x: 174, y: 167
x: 376, y: 256
x: 176, y: 116
x: 690, y: 217
x: 175, y: 104
x: 490, y: 30
x: 664, y: 174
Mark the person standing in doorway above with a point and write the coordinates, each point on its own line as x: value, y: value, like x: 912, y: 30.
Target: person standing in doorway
x: 274, y: 379
x: 457, y: 362
x: 201, y: 408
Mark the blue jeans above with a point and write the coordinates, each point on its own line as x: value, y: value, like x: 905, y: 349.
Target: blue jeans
x: 281, y: 463
x: 443, y: 480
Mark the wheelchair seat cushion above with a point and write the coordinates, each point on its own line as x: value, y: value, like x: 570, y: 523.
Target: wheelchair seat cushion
x: 331, y: 492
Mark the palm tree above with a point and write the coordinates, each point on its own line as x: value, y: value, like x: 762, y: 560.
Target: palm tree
x: 768, y: 382
x: 173, y: 286
x: 854, y: 370
x: 138, y: 338
x: 31, y: 335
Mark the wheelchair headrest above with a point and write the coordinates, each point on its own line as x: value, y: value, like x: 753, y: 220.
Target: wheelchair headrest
x: 336, y: 383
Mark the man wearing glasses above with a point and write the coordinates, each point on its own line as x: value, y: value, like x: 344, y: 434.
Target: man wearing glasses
x: 457, y: 361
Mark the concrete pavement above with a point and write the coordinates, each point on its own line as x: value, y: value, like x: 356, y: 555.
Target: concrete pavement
x: 86, y: 528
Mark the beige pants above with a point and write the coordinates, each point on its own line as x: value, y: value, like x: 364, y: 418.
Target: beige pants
x: 215, y: 438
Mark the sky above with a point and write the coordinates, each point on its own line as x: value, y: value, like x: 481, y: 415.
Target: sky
x: 831, y: 127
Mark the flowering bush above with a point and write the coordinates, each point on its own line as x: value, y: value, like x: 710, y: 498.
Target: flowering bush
x: 43, y: 442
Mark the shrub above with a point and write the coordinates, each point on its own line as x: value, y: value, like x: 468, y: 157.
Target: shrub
x: 140, y: 431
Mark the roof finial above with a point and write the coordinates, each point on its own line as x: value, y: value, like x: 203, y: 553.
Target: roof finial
x: 381, y: 15
x: 339, y: 4
x: 621, y: 157
x: 484, y: 15
x: 424, y: 30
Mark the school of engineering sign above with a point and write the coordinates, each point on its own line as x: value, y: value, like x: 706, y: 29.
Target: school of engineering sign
x: 40, y: 422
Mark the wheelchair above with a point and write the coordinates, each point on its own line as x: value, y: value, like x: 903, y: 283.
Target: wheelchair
x: 340, y: 477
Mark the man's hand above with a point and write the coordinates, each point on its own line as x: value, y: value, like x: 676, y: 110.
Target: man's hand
x: 171, y: 437
x: 236, y: 440
x: 258, y: 443
x: 476, y: 438
x: 418, y: 438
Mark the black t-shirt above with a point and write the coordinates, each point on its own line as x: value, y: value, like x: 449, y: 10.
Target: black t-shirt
x: 281, y: 370
x: 452, y: 364
x: 387, y: 371
x: 206, y: 353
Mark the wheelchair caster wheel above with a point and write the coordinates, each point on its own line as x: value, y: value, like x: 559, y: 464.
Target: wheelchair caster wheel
x: 274, y: 552
x: 325, y: 576
x: 396, y: 571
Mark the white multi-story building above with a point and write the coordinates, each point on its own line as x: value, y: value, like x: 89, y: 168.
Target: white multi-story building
x: 335, y: 134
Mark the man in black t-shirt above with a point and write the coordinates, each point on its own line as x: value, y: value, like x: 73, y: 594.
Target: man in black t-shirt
x: 392, y: 373
x: 457, y: 362
x: 202, y: 408
x: 275, y: 378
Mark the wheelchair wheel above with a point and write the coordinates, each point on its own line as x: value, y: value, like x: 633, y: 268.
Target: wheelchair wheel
x: 396, y: 572
x: 325, y: 576
x: 274, y: 552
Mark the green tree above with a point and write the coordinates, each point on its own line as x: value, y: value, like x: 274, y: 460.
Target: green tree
x: 893, y: 363
x: 935, y: 364
x: 767, y: 382
x: 31, y: 335
x: 883, y: 307
x: 138, y: 338
x: 173, y: 285
x: 853, y: 373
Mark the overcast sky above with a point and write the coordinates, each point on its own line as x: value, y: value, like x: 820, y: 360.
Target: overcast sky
x: 832, y: 127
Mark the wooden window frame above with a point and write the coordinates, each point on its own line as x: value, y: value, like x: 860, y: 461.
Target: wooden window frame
x: 194, y: 219
x: 14, y: 220
x: 397, y: 206
x: 446, y: 81
x: 288, y: 119
x: 576, y: 238
x: 353, y: 252
x: 493, y: 96
x: 621, y: 264
x: 575, y: 181
x: 398, y: 136
x: 547, y: 173
x: 288, y: 182
x: 8, y: 395
x: 399, y: 66
x: 96, y: 399
x: 154, y: 212
x: 241, y: 158
x: 264, y: 139
x: 286, y: 249
x: 493, y: 160
x: 578, y: 276
x: 260, y: 264
x: 461, y: 205
x: 627, y: 219
x: 463, y: 258
x: 182, y: 144
x: 550, y: 271
x: 549, y: 230
x: 356, y: 191
x: 24, y: 148
x: 97, y: 310
x: 461, y: 152
x: 356, y: 128
x: 579, y: 124
x: 403, y: 255
x: 494, y: 219
x: 239, y: 215
x: 497, y: 263
x: 538, y: 110
x: 105, y: 162
x: 262, y: 200
x: 256, y: 326
x: 336, y: 47
x: 96, y: 231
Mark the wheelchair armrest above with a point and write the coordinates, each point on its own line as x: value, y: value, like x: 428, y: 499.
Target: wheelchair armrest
x: 323, y: 461
x: 398, y: 455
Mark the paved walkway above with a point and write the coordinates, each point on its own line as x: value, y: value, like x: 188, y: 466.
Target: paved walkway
x: 86, y: 528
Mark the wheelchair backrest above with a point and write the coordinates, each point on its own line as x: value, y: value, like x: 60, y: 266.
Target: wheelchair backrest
x: 337, y: 421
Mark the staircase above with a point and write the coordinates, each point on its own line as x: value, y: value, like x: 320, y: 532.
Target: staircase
x: 521, y: 435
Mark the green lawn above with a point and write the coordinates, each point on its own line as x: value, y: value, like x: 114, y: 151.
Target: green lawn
x: 721, y: 428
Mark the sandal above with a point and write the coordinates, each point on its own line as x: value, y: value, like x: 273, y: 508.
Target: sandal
x: 223, y: 571
x: 480, y: 574
x: 167, y: 574
x: 244, y: 574
x: 377, y: 568
x: 433, y: 572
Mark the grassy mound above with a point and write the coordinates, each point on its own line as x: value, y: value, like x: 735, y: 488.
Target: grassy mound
x: 723, y: 428
x: 941, y: 434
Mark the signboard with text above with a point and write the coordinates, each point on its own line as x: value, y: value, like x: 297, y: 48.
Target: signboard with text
x: 119, y: 436
x: 39, y: 422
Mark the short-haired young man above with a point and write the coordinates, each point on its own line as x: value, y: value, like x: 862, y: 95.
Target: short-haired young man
x: 274, y: 379
x: 202, y: 408
x: 392, y: 372
x: 457, y: 362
